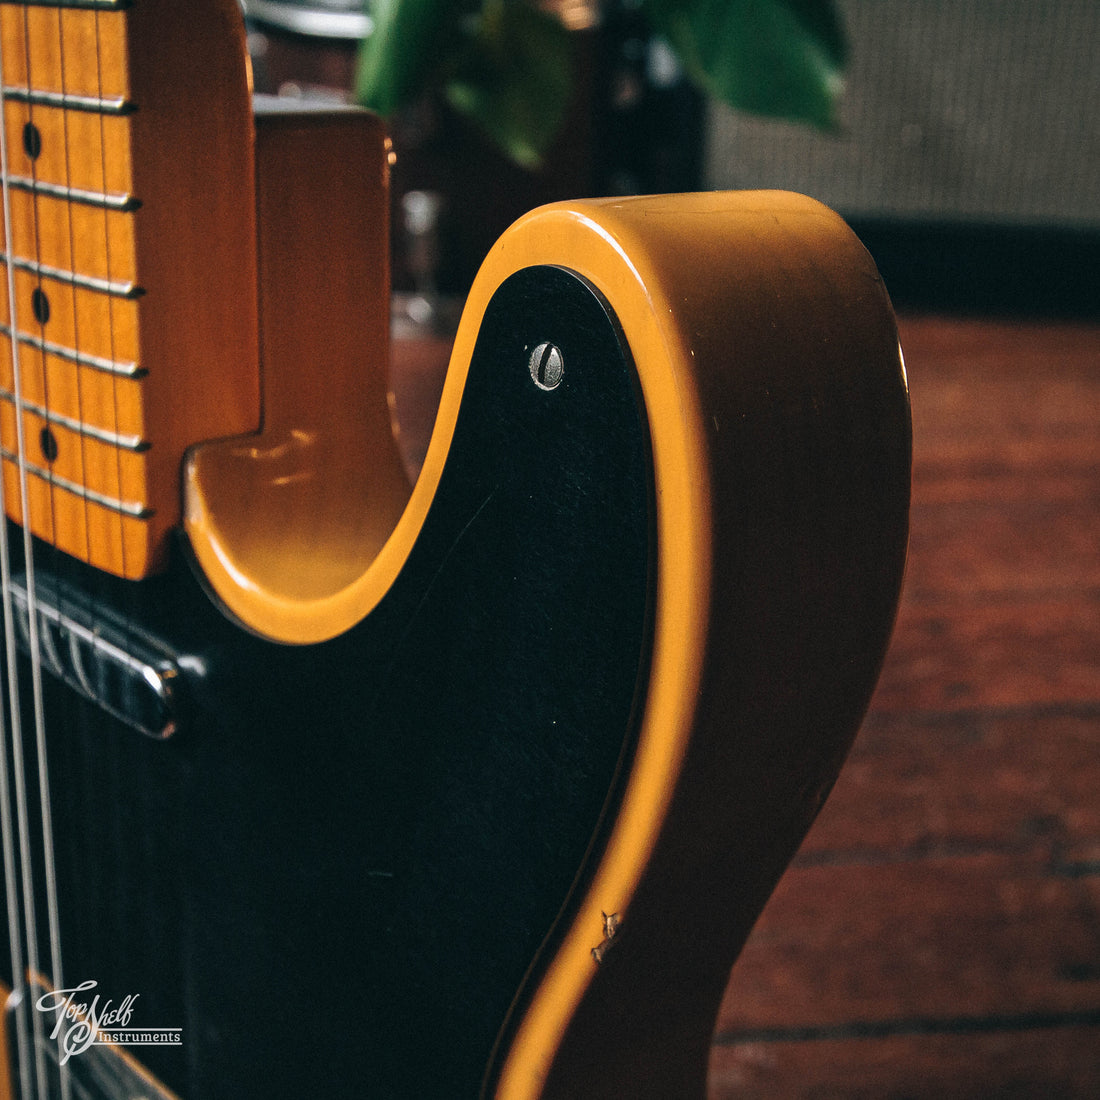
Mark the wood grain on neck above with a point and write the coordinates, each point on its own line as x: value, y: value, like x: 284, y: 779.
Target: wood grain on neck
x: 128, y: 138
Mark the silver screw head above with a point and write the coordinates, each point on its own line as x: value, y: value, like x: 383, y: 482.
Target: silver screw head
x: 546, y: 366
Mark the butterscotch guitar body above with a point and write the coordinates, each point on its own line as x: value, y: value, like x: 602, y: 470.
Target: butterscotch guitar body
x: 357, y: 789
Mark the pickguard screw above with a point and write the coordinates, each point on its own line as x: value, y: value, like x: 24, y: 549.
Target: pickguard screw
x: 546, y: 366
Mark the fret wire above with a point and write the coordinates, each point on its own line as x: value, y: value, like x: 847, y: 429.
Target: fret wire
x: 132, y: 443
x: 88, y: 282
x: 69, y: 101
x: 124, y: 203
x: 129, y: 508
x: 81, y: 358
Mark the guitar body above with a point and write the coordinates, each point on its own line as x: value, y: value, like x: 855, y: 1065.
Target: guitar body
x: 475, y: 787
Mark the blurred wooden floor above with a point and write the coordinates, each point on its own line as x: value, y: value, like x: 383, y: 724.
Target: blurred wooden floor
x: 939, y: 933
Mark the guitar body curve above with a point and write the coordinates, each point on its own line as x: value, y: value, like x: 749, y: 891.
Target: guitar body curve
x: 778, y: 416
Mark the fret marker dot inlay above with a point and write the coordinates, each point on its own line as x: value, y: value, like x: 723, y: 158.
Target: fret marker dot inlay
x: 40, y: 304
x: 32, y: 140
x: 48, y: 442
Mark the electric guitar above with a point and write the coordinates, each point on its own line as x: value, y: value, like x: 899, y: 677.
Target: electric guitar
x: 319, y: 784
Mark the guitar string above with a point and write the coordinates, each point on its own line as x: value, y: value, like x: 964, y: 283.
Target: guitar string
x: 20, y: 1006
x: 12, y: 871
x: 37, y: 699
x: 23, y: 874
x: 82, y: 482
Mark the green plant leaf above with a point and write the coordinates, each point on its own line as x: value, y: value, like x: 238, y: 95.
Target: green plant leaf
x: 409, y: 44
x: 516, y: 80
x: 782, y: 58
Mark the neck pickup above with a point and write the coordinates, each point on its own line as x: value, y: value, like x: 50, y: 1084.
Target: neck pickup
x: 119, y: 667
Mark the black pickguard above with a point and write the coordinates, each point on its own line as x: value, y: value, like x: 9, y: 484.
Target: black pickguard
x: 335, y: 876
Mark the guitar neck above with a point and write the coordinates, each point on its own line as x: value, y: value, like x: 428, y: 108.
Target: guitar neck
x: 129, y: 267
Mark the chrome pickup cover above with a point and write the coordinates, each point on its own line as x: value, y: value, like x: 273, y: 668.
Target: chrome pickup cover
x: 114, y: 663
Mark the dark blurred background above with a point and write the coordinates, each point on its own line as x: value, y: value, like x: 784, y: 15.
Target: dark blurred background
x: 967, y: 155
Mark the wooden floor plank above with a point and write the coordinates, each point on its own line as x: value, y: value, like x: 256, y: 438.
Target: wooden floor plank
x: 1012, y: 407
x: 1006, y: 550
x: 965, y: 783
x: 958, y: 475
x: 1039, y: 1059
x: 1037, y: 653
x: 987, y: 936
